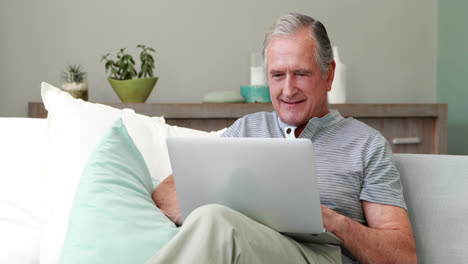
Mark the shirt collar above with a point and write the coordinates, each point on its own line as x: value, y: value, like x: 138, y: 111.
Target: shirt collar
x: 329, y: 119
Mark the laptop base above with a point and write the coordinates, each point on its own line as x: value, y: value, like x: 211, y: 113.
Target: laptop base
x: 325, y: 237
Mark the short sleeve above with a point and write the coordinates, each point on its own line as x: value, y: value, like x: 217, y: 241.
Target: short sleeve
x: 260, y: 124
x: 381, y: 182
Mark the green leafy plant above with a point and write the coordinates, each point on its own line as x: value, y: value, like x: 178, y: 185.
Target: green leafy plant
x: 74, y: 74
x: 124, y: 67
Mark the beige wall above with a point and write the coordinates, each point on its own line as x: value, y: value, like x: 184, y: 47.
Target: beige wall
x: 388, y: 46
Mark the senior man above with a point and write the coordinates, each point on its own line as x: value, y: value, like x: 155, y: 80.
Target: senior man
x: 360, y: 188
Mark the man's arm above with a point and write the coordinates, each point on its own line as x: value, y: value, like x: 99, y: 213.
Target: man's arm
x: 387, y: 239
x: 165, y: 197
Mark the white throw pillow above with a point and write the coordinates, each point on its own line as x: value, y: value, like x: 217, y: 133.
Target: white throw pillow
x: 149, y: 136
x: 74, y: 128
x: 146, y: 135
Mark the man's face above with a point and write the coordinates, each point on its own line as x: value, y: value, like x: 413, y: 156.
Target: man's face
x: 297, y: 88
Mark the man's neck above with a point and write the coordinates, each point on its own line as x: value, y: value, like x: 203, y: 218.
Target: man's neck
x: 300, y: 128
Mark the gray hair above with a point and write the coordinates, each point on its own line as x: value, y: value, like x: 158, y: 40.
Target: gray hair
x: 290, y: 24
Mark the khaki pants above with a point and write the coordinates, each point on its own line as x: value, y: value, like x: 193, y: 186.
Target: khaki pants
x: 217, y: 234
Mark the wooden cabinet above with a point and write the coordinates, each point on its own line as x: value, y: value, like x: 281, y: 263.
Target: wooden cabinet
x: 410, y: 128
x: 406, y: 134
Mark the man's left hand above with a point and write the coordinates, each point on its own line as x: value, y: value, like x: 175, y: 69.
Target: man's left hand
x: 165, y: 197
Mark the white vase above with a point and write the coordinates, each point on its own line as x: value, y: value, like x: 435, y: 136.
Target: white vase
x: 337, y: 95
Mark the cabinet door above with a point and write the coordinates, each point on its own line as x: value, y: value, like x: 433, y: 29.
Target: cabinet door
x: 407, y: 134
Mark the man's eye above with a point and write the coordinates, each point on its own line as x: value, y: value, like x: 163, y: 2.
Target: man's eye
x: 277, y: 75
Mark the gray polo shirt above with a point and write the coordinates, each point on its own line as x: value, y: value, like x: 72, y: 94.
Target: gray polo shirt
x: 353, y: 161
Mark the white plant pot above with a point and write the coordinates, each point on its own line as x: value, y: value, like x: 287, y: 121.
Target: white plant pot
x: 77, y: 90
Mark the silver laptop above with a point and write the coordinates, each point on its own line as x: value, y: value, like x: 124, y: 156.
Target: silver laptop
x: 270, y: 180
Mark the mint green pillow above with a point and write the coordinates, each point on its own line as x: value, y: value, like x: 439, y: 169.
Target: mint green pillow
x: 113, y: 218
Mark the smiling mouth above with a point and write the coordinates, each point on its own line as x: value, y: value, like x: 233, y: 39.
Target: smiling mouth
x: 292, y: 102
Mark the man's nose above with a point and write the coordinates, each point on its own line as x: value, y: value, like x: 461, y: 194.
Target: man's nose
x: 289, y: 85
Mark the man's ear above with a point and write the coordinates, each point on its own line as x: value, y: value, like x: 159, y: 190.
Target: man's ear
x: 330, y: 75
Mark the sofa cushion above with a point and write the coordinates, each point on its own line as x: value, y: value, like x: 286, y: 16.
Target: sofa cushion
x: 113, y: 218
x: 435, y: 189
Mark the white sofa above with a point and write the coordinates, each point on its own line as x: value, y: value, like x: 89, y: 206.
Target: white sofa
x: 435, y: 190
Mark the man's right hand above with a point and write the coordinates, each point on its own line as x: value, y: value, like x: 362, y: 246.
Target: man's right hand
x: 165, y: 197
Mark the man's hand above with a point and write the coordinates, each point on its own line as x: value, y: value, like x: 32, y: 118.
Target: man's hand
x: 165, y: 197
x: 387, y: 239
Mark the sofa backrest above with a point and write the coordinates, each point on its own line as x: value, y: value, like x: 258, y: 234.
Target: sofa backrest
x: 436, y: 192
x: 21, y: 154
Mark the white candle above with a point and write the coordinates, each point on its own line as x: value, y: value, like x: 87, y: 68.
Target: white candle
x: 257, y: 76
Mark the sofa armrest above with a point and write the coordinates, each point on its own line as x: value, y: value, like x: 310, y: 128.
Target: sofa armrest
x: 436, y: 192
x: 21, y: 155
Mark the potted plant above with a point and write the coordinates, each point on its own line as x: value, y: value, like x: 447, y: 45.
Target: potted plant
x: 123, y: 72
x: 74, y: 82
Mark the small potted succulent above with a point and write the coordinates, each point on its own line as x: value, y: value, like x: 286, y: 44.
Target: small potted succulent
x: 130, y: 86
x: 74, y: 82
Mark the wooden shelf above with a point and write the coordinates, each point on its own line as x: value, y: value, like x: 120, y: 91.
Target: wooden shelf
x: 428, y: 122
